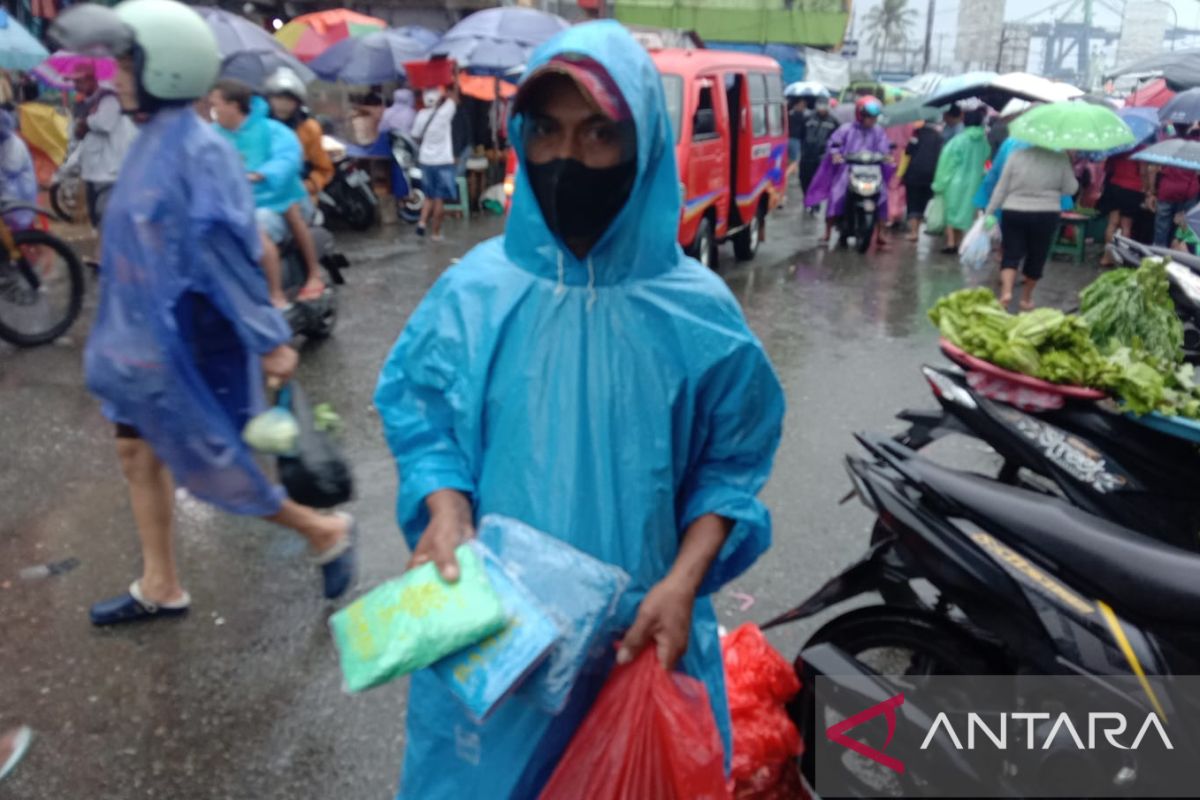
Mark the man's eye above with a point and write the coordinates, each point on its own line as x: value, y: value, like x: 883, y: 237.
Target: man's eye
x: 604, y: 134
x: 543, y: 127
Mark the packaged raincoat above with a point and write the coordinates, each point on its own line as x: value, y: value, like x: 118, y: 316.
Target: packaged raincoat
x: 608, y: 401
x: 959, y: 173
x: 17, y: 178
x: 184, y: 313
x: 832, y: 180
x: 271, y: 149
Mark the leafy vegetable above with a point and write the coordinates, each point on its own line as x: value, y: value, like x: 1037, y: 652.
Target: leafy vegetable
x: 1133, y: 308
x: 1063, y: 348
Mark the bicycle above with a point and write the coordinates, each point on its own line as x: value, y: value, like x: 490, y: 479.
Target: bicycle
x: 41, y: 282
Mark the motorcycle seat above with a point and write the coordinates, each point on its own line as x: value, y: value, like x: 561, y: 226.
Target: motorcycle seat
x: 1132, y: 572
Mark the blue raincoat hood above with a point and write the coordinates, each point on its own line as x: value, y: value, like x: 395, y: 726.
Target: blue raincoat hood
x: 641, y: 241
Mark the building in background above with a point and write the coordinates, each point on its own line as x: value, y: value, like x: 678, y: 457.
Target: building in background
x: 980, y: 28
x: 1143, y: 30
x: 1013, y: 51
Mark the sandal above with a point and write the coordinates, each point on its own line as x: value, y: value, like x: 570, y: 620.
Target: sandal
x: 133, y: 607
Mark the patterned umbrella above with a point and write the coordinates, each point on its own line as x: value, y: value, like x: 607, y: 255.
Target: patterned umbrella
x: 57, y: 70
x: 1070, y: 125
x: 377, y: 57
x: 18, y: 48
x: 1182, y: 153
x: 309, y: 35
x: 498, y: 39
x: 1182, y: 109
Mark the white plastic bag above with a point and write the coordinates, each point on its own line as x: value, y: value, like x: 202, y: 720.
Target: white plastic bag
x: 976, y: 246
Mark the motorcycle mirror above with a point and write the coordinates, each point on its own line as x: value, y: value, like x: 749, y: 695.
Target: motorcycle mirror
x: 92, y: 29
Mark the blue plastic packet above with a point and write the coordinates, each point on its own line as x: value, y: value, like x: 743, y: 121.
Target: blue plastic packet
x: 577, y: 591
x: 483, y: 675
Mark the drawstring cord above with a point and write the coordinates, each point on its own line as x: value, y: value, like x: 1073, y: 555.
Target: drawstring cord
x: 561, y: 289
x: 591, y: 284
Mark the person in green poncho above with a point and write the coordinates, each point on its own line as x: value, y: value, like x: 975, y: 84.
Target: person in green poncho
x: 959, y: 173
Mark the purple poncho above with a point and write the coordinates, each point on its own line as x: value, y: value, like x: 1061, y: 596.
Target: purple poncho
x: 831, y: 179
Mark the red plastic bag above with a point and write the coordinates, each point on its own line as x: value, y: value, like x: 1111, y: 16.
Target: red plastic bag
x: 759, y: 682
x: 650, y: 736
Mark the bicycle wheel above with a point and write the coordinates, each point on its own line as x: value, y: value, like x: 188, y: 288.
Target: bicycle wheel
x: 41, y: 294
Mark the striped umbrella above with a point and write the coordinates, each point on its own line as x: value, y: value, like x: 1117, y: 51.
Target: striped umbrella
x: 309, y: 35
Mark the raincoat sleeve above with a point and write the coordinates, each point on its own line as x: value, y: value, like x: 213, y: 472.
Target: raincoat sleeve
x: 284, y: 163
x: 226, y: 251
x: 420, y: 394
x: 949, y: 163
x: 740, y: 426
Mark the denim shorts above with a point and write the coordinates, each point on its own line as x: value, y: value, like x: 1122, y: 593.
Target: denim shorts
x: 440, y: 182
x: 273, y: 224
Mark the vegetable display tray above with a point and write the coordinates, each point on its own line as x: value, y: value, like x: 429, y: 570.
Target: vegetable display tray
x: 1181, y: 427
x: 970, y: 362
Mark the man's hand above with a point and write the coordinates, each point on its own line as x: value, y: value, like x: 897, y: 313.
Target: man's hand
x: 279, y: 364
x: 450, y: 524
x: 664, y: 618
x: 254, y: 177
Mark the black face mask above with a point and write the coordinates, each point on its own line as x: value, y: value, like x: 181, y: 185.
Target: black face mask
x: 580, y: 202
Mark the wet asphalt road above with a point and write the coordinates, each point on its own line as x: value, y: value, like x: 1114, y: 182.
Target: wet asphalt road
x: 243, y: 698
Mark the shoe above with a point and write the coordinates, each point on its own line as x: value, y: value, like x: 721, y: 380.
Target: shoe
x: 132, y: 607
x: 437, y: 237
x: 339, y: 563
x: 420, y: 230
x: 949, y: 251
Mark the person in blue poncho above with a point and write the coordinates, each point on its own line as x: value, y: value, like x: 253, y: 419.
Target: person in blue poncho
x: 18, y: 181
x: 581, y: 374
x: 184, y: 330
x: 273, y: 161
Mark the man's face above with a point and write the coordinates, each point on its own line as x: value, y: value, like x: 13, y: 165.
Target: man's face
x: 126, y: 84
x: 822, y: 108
x: 563, y: 124
x: 951, y: 119
x: 85, y: 84
x: 869, y: 121
x: 282, y: 105
x: 228, y: 115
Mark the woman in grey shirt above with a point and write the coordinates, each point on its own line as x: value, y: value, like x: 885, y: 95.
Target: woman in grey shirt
x: 1030, y: 194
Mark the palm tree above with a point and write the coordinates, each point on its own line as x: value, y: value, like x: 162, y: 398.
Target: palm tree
x: 888, y: 23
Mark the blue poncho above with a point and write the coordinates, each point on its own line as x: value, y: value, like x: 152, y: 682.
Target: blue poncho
x: 184, y: 313
x: 271, y: 149
x: 609, y: 411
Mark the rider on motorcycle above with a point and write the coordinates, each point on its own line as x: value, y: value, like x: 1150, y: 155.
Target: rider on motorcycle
x: 287, y: 96
x: 17, y: 178
x: 833, y: 177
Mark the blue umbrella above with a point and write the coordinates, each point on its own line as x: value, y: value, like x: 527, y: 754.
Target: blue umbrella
x: 249, y: 53
x: 1182, y: 153
x: 1182, y: 108
x: 1144, y: 124
x: 961, y: 87
x: 497, y: 39
x: 18, y: 47
x: 375, y: 57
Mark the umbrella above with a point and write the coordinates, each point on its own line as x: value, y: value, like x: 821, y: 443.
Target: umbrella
x: 1070, y: 125
x: 1180, y: 69
x: 805, y: 89
x: 1144, y: 124
x: 57, y: 70
x: 1034, y: 88
x: 960, y: 87
x: 376, y: 57
x: 309, y: 35
x: 498, y: 39
x: 908, y: 111
x: 1154, y: 94
x: 18, y: 48
x: 1182, y: 108
x: 1182, y: 153
x: 248, y: 53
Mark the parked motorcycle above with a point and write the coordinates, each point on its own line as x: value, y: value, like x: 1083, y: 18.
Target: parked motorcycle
x: 1183, y: 272
x: 1018, y: 583
x: 406, y: 179
x: 861, y: 214
x: 314, y: 319
x: 348, y: 197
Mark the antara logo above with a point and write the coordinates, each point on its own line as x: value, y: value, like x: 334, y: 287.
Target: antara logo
x: 1110, y: 723
x: 837, y: 733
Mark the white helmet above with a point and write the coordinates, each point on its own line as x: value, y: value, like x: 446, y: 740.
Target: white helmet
x: 285, y: 81
x: 174, y: 51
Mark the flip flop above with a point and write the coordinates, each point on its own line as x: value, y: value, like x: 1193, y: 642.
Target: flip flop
x: 21, y: 740
x: 305, y: 294
x: 133, y: 607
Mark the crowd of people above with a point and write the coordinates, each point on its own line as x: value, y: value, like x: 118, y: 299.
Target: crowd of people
x: 968, y: 167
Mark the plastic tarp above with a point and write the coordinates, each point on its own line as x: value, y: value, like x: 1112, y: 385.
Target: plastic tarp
x: 608, y: 401
x: 184, y: 312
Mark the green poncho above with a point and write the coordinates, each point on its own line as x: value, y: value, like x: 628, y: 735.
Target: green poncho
x: 959, y: 173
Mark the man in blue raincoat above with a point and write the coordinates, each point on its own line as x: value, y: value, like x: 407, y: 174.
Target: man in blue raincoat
x: 580, y: 374
x: 184, y: 330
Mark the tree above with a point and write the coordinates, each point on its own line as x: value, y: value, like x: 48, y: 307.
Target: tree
x: 889, y: 23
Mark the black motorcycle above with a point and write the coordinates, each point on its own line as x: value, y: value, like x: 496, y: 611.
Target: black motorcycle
x: 348, y: 197
x: 1007, y: 582
x: 314, y: 319
x: 861, y: 214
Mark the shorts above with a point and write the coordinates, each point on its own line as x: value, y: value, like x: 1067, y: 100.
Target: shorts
x: 917, y: 197
x: 440, y: 181
x: 1025, y: 238
x: 1119, y: 199
x: 96, y: 194
x: 275, y: 225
